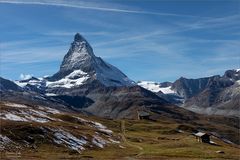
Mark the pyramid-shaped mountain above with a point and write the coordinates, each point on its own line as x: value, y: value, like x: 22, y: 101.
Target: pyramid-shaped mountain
x: 82, y: 65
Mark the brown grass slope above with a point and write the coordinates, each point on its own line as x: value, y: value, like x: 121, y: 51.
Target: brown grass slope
x: 164, y: 138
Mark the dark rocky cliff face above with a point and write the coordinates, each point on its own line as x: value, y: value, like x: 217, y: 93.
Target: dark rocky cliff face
x: 211, y: 95
x: 8, y: 85
x: 188, y: 88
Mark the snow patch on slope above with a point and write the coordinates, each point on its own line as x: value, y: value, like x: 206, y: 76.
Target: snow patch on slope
x: 51, y: 94
x: 149, y: 85
x: 97, y: 125
x: 99, y: 141
x: 156, y: 87
x: 238, y: 82
x: 20, y: 84
x: 49, y: 110
x: 36, y: 119
x: 75, y: 78
x: 4, y: 140
x: 15, y: 105
x: 167, y: 90
x: 33, y: 82
x: 23, y: 117
x: 101, y: 127
x: 72, y: 142
x: 23, y: 113
x: 12, y: 117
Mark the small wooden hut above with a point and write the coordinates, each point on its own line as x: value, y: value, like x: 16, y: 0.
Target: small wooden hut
x: 143, y: 115
x: 202, y: 137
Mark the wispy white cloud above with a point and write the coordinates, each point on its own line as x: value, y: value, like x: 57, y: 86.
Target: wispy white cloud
x: 17, y: 43
x: 180, y: 28
x: 33, y: 54
x: 92, y: 6
x: 214, y: 22
x: 226, y: 52
x: 25, y: 76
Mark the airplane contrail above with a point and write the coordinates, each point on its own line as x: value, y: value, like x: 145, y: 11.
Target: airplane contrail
x: 80, y: 6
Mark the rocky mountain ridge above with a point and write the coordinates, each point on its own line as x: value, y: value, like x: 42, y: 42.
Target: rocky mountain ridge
x: 208, y: 95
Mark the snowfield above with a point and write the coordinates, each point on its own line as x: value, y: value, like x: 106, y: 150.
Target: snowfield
x: 75, y: 78
x: 149, y: 85
x: 156, y: 87
x: 167, y: 90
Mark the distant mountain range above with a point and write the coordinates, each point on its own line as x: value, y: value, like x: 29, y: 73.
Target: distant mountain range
x: 209, y: 95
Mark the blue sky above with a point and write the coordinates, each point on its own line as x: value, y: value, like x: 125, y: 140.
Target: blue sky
x: 148, y: 40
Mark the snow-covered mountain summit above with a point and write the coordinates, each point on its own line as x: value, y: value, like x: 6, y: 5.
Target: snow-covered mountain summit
x: 81, y: 57
x: 81, y: 66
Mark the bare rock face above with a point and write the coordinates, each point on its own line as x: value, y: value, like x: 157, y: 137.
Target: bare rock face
x: 209, y: 95
x: 220, y: 101
x: 188, y: 88
x: 219, y: 95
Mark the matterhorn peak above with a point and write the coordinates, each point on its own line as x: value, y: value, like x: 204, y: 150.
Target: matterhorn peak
x: 79, y: 55
x: 81, y: 59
